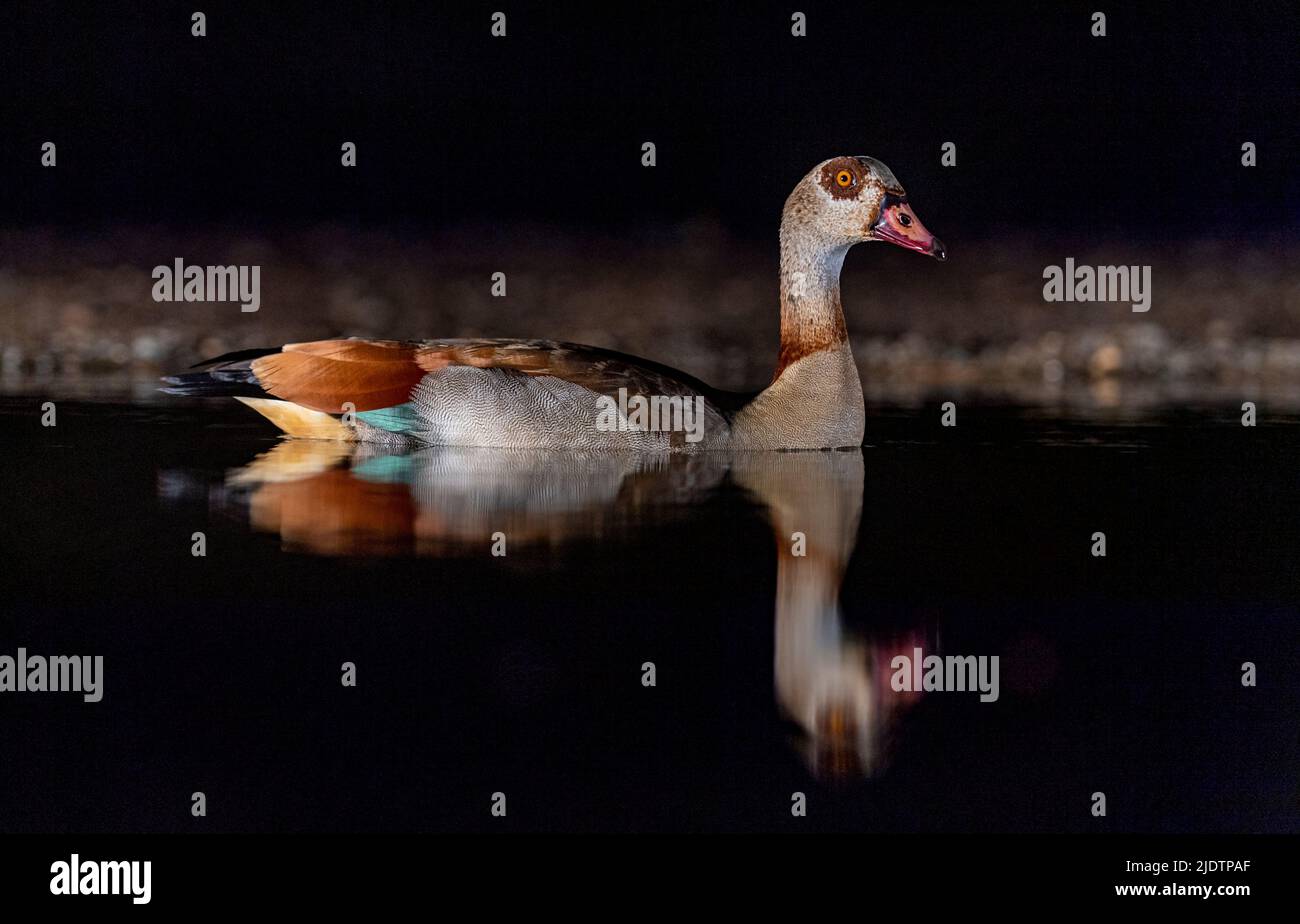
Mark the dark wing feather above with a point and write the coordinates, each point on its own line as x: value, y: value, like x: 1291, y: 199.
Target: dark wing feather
x: 603, y: 371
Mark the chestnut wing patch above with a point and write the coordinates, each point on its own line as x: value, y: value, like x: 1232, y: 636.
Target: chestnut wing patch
x: 327, y: 374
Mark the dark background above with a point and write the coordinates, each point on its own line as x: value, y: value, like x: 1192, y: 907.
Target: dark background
x: 1135, y: 134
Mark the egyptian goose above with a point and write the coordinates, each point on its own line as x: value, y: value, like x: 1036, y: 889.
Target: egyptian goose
x: 546, y: 394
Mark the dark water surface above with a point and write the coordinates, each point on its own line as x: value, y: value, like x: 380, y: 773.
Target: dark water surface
x: 522, y: 674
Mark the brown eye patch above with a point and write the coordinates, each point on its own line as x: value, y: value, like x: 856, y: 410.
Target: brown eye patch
x: 842, y: 178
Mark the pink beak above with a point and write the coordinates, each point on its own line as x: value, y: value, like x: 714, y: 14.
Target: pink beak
x: 899, y: 225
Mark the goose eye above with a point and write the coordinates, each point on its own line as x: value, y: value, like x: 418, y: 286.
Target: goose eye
x: 844, y: 179
x: 905, y: 220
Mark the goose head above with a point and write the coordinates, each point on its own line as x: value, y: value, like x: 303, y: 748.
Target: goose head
x: 848, y: 200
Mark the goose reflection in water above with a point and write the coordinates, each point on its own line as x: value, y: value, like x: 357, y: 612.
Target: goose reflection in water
x: 333, y: 498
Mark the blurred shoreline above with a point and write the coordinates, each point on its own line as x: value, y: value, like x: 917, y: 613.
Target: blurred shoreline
x: 76, y: 310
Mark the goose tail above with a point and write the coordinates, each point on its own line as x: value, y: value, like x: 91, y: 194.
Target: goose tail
x: 227, y: 376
